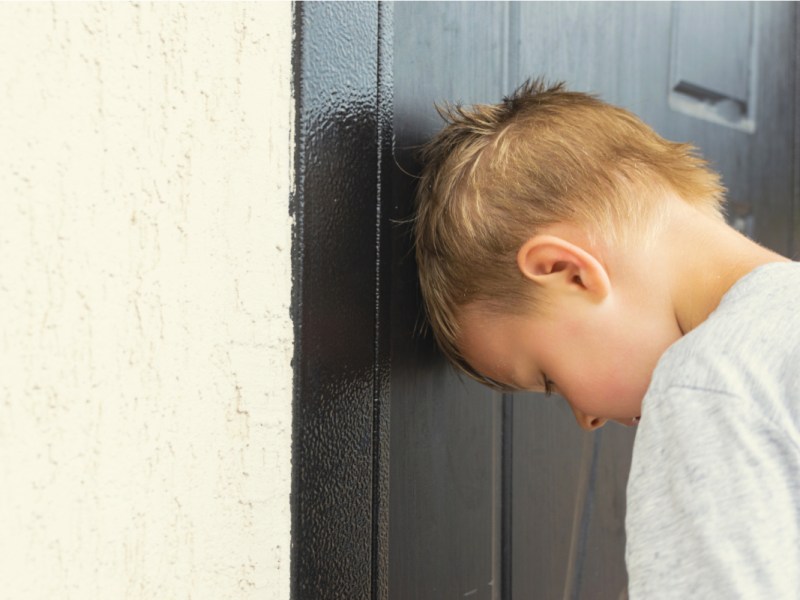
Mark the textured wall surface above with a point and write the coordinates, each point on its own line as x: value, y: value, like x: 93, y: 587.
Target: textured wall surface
x: 145, y: 335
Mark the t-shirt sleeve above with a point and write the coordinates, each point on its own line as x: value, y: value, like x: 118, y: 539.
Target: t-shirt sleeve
x: 712, y: 501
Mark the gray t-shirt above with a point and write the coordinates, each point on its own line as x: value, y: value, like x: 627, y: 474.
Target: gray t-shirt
x: 714, y: 489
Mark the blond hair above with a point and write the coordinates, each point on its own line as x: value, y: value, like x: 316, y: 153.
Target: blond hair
x: 497, y: 173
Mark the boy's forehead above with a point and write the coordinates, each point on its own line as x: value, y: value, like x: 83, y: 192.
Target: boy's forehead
x: 488, y: 342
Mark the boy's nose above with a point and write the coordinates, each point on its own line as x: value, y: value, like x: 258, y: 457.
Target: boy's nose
x: 587, y: 422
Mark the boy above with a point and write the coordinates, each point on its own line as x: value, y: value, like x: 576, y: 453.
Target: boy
x: 564, y: 246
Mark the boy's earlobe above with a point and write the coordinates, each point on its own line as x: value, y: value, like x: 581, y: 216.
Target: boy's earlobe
x: 555, y: 263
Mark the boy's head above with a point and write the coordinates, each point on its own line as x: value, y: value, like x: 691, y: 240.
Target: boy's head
x: 545, y: 165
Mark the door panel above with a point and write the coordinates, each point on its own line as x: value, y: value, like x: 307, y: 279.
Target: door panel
x: 445, y: 440
x: 515, y: 493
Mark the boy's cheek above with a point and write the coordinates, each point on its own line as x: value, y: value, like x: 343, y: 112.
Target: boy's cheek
x: 615, y: 393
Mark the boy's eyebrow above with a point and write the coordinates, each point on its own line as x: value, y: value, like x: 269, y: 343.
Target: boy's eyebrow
x: 488, y: 381
x: 500, y: 387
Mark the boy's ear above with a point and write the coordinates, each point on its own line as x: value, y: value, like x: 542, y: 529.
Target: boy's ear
x: 557, y: 264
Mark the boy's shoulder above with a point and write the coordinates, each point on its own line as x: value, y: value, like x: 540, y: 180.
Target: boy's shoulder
x: 749, y: 346
x: 712, y: 493
x: 764, y: 300
x: 772, y: 287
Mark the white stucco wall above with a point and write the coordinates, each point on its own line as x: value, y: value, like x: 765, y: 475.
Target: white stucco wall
x: 145, y: 336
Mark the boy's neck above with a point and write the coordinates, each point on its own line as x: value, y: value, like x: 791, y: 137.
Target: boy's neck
x: 705, y: 258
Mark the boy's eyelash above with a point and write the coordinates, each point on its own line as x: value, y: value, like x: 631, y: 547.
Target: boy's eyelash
x: 548, y: 386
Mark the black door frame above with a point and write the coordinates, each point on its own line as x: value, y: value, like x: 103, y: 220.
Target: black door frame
x: 342, y: 66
